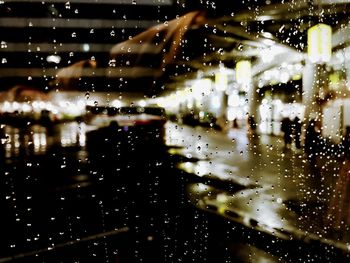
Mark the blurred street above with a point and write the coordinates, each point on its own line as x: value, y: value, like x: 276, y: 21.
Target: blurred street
x: 175, y: 131
x: 208, y: 196
x: 282, y: 193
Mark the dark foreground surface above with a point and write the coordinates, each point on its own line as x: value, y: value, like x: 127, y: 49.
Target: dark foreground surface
x: 80, y: 202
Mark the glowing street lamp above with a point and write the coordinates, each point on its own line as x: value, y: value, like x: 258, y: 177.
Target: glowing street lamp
x: 319, y: 41
x: 243, y: 72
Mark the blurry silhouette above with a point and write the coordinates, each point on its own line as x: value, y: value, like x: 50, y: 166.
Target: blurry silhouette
x: 23, y: 139
x: 2, y: 145
x: 221, y: 123
x: 287, y: 132
x: 104, y: 145
x: 235, y: 124
x: 297, y: 132
x: 338, y: 216
x: 312, y: 142
x: 46, y: 121
x: 252, y: 124
x: 346, y: 143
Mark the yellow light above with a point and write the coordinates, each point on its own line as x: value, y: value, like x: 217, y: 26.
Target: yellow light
x: 319, y: 40
x: 221, y: 81
x: 335, y: 80
x: 243, y: 72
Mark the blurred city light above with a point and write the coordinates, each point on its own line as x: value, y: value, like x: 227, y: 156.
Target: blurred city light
x: 319, y: 40
x: 221, y: 81
x: 53, y: 59
x: 243, y: 72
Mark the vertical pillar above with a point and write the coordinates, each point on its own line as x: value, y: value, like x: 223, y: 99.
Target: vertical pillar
x: 314, y: 79
x: 221, y: 83
x: 223, y: 107
x: 347, y: 72
x: 253, y: 101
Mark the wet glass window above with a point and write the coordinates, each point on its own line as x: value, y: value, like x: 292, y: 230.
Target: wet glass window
x: 174, y: 131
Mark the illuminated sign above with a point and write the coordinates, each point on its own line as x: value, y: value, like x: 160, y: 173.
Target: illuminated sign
x: 319, y: 40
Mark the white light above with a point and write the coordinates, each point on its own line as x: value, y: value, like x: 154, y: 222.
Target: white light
x: 42, y: 105
x: 201, y: 87
x: 117, y: 103
x: 284, y: 77
x: 6, y: 106
x: 340, y: 57
x: 189, y: 105
x: 15, y: 105
x: 266, y: 55
x: 222, y: 198
x: 216, y: 102
x: 86, y: 47
x: 265, y: 111
x: 64, y: 104
x: 298, y: 67
x: 53, y: 59
x: 49, y: 106
x: 26, y: 107
x: 233, y: 100
x: 81, y: 103
x: 231, y: 114
x: 142, y: 103
x: 90, y: 103
x: 268, y: 42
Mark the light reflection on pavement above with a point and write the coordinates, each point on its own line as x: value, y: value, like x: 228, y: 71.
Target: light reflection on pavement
x: 286, y: 200
x: 36, y: 139
x: 277, y: 194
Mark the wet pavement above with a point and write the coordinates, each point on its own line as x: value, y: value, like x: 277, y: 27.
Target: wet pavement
x: 274, y: 189
x: 207, y: 196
